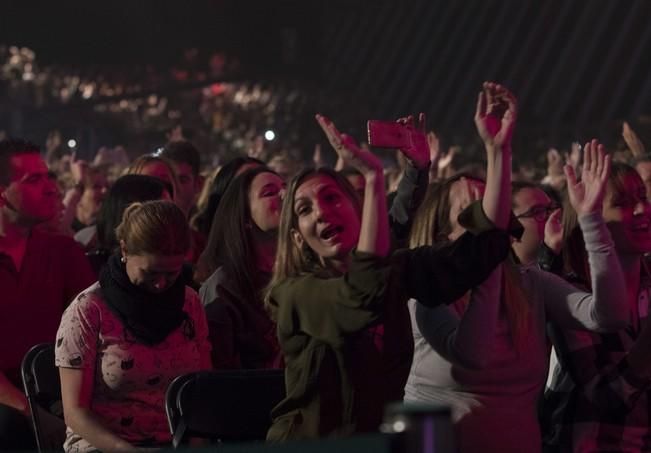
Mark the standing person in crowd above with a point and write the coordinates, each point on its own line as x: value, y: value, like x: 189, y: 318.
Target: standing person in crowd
x: 31, y: 312
x: 339, y: 296
x: 494, y: 399
x: 123, y: 340
x: 600, y: 395
x: 126, y: 190
x: 240, y: 251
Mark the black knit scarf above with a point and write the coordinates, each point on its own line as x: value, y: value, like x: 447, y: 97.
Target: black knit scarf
x: 149, y: 317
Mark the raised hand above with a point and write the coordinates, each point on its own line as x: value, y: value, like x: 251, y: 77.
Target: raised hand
x: 574, y: 158
x: 445, y: 162
x: 317, y: 157
x: 363, y: 160
x: 632, y: 140
x: 434, y: 155
x: 554, y: 162
x: 586, y: 196
x: 419, y: 151
x: 554, y: 232
x: 495, y: 115
x: 78, y: 168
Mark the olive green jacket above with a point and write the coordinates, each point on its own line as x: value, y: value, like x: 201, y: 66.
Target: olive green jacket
x: 347, y: 340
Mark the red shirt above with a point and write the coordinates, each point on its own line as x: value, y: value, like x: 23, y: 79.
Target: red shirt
x: 53, y: 272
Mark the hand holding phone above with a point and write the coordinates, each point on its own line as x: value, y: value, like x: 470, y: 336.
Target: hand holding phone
x: 402, y: 135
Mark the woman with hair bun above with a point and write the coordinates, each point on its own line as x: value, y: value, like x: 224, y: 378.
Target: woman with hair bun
x: 122, y: 340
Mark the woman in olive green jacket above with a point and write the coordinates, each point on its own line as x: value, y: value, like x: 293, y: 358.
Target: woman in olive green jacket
x: 339, y: 296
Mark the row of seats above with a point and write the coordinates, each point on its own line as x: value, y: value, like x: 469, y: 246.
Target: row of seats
x: 221, y: 406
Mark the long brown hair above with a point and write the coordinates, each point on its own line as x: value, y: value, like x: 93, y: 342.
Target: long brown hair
x: 432, y: 226
x: 292, y: 260
x: 431, y: 223
x: 230, y: 241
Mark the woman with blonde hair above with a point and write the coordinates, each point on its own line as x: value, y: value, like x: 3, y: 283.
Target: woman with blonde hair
x: 122, y: 340
x: 490, y: 362
x: 338, y: 295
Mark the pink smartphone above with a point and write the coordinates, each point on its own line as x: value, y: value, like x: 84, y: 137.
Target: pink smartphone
x: 388, y: 134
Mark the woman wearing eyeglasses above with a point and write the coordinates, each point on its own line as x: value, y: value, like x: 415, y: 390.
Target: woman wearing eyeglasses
x: 488, y: 360
x: 540, y: 218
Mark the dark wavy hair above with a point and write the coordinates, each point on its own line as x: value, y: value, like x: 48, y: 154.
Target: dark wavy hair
x: 230, y: 241
x: 202, y: 221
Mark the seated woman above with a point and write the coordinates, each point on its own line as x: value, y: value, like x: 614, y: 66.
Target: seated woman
x: 339, y: 296
x: 123, y: 340
x: 240, y: 252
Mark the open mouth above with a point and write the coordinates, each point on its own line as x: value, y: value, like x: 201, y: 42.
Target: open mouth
x: 330, y: 232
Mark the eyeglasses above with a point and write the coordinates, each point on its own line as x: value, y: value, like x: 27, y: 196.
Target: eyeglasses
x: 539, y: 213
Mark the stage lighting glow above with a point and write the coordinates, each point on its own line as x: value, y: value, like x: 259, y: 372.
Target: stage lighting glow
x: 269, y: 135
x: 72, y: 143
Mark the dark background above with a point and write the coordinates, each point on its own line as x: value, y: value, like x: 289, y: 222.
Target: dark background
x: 579, y: 67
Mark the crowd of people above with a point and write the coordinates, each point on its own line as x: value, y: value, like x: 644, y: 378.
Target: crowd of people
x: 519, y: 303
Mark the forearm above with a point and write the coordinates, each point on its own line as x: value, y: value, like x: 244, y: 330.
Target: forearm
x: 11, y: 396
x: 609, y: 307
x: 411, y: 191
x: 83, y: 422
x: 374, y: 231
x: 70, y: 202
x: 496, y: 201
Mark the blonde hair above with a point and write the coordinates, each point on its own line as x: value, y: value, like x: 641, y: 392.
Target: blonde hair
x: 292, y: 261
x: 154, y: 227
x: 137, y: 167
x: 432, y: 226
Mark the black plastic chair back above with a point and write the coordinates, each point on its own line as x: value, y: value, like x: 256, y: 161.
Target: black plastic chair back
x: 42, y: 388
x: 224, y: 406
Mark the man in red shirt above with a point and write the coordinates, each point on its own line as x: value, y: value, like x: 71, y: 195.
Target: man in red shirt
x: 40, y: 273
